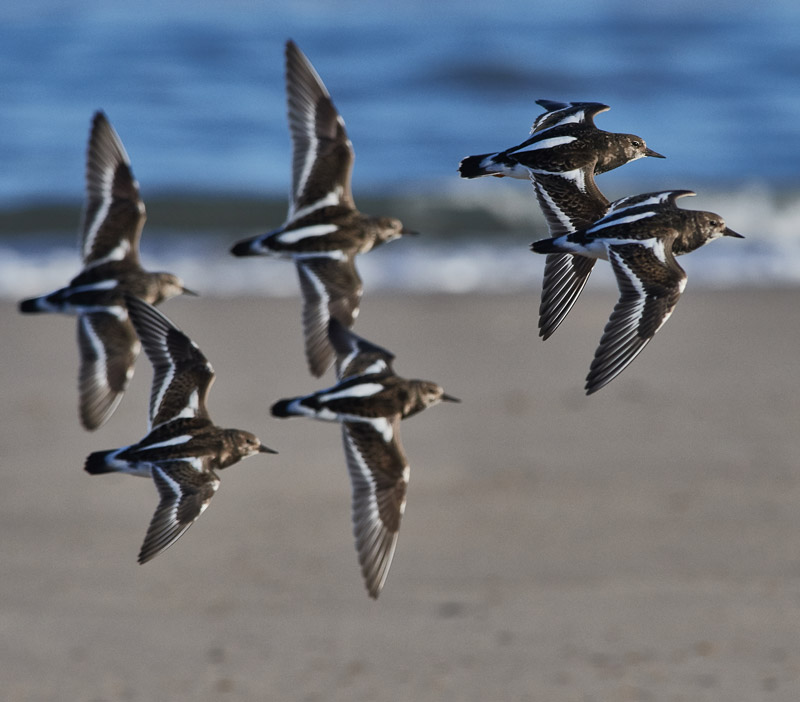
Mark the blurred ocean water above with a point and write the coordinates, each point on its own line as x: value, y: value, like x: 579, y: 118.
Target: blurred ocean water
x: 196, y: 93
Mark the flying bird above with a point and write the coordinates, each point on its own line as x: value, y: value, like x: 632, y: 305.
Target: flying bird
x: 564, y: 153
x: 323, y: 231
x: 183, y: 448
x: 640, y: 236
x: 369, y: 401
x: 113, y: 218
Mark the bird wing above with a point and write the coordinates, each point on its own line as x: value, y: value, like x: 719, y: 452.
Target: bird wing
x: 650, y: 283
x: 108, y: 349
x: 379, y: 472
x: 331, y: 288
x: 570, y: 201
x: 185, y: 488
x: 322, y: 155
x: 114, y: 213
x: 565, y: 276
x: 182, y: 375
x: 355, y: 355
x: 565, y: 113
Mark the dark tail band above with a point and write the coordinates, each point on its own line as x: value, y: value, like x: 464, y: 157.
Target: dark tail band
x: 29, y: 306
x: 281, y: 409
x: 545, y: 246
x: 471, y: 166
x: 96, y: 463
x: 243, y: 248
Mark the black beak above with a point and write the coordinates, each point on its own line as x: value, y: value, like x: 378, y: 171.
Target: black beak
x: 730, y: 232
x: 266, y: 449
x: 191, y: 293
x: 409, y: 232
x: 654, y: 154
x: 450, y: 398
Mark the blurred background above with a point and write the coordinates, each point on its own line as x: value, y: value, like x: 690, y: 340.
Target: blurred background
x: 197, y: 95
x: 639, y: 545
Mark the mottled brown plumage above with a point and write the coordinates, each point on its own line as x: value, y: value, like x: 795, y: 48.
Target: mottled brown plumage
x: 183, y: 447
x: 114, y: 215
x: 323, y: 231
x: 640, y: 236
x: 562, y: 156
x: 369, y: 401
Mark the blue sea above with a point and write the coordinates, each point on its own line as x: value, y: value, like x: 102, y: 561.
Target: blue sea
x: 196, y: 92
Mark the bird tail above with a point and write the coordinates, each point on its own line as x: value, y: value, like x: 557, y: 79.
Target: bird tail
x: 36, y: 304
x: 283, y: 408
x: 477, y: 166
x: 546, y: 246
x: 308, y: 406
x: 246, y: 247
x: 56, y: 301
x: 96, y: 463
x: 29, y: 306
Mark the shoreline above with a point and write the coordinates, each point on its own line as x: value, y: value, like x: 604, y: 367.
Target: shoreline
x: 641, y: 543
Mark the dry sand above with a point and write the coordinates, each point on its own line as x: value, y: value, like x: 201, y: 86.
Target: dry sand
x: 639, y: 544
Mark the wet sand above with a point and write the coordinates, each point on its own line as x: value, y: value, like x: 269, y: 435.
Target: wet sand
x: 639, y: 544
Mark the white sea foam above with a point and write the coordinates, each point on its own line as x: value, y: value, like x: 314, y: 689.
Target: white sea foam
x: 444, y: 262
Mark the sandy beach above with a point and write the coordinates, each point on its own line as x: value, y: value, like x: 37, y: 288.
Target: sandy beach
x: 639, y: 544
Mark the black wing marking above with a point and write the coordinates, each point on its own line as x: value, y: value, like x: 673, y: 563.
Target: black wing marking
x: 322, y: 155
x: 182, y: 375
x: 650, y: 284
x: 379, y: 477
x: 114, y: 213
x: 185, y: 489
x: 108, y: 349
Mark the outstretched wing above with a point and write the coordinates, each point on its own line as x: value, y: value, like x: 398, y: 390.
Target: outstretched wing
x: 322, y: 155
x: 661, y: 199
x: 182, y: 375
x: 650, y: 284
x: 378, y: 471
x: 114, y: 213
x: 570, y: 201
x: 331, y: 288
x: 185, y: 489
x: 566, y: 113
x: 355, y: 355
x: 108, y: 348
x: 565, y: 276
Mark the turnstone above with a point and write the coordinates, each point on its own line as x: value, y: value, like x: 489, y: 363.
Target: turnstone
x: 562, y: 139
x: 183, y: 447
x: 640, y: 236
x: 369, y: 401
x: 112, y: 224
x: 323, y: 231
x: 562, y: 156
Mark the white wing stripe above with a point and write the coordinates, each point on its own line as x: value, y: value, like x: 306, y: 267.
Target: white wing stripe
x: 170, y: 442
x: 102, y: 211
x: 292, y: 236
x: 332, y: 199
x: 90, y: 287
x: 99, y: 377
x: 614, y: 221
x: 552, y: 205
x: 550, y: 143
x: 158, y: 396
x: 361, y: 390
x: 118, y: 253
x: 365, y: 474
